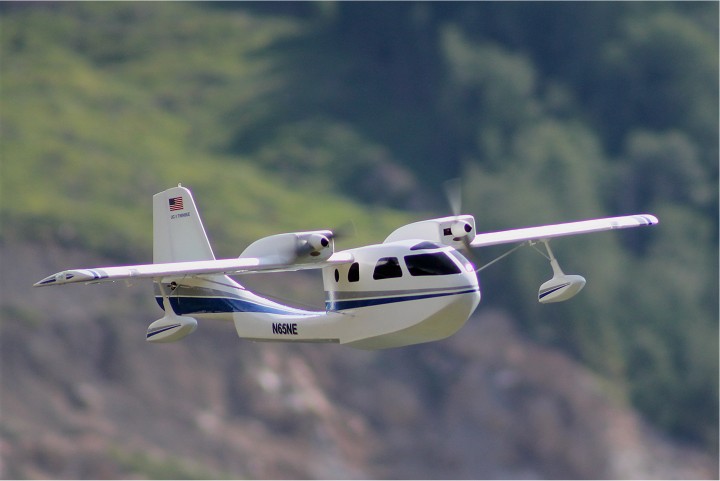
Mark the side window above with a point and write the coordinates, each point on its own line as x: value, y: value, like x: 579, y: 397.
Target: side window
x: 354, y: 272
x: 387, y: 268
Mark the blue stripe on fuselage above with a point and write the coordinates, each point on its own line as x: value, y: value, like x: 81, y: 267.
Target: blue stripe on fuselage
x: 214, y: 305
x: 355, y: 303
x: 183, y: 305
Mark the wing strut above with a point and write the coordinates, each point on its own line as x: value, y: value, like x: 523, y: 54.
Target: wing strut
x: 502, y: 256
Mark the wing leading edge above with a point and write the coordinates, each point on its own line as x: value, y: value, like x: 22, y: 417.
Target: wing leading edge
x: 565, y: 229
x: 242, y: 265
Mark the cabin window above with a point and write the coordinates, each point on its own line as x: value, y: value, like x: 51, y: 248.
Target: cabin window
x: 435, y: 264
x: 387, y: 268
x: 354, y: 272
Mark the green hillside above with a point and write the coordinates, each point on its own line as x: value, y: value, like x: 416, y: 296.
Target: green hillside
x: 95, y: 122
x: 285, y: 116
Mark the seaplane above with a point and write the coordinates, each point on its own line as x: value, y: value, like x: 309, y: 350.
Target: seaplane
x: 417, y: 286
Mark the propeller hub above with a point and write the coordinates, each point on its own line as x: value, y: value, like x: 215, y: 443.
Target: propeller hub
x: 460, y: 229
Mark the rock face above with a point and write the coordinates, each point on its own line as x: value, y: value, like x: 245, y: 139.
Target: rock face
x: 84, y: 396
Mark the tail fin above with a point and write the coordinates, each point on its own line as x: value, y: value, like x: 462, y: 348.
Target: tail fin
x: 178, y: 232
x: 179, y: 236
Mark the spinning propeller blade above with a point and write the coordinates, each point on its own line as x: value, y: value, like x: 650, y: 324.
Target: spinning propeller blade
x: 344, y: 231
x: 453, y: 194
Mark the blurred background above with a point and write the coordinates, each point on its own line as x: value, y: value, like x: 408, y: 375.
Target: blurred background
x: 312, y: 115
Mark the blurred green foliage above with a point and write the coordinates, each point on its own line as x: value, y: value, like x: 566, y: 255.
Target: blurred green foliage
x: 294, y: 116
x: 101, y: 109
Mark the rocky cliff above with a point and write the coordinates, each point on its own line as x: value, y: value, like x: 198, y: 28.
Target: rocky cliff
x: 84, y: 396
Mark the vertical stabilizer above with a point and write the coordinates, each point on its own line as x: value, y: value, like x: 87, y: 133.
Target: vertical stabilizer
x: 178, y: 232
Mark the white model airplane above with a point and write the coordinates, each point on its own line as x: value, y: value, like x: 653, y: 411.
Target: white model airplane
x: 414, y: 287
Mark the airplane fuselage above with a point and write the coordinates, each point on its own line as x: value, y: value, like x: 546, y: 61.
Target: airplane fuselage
x: 393, y: 294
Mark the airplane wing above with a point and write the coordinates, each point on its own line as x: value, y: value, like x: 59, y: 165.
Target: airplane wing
x: 559, y: 230
x: 242, y: 265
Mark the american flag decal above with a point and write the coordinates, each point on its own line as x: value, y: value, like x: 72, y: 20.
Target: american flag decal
x: 176, y: 203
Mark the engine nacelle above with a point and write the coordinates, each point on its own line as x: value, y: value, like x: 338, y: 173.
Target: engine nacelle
x: 453, y: 231
x: 293, y: 247
x: 171, y: 328
x: 314, y: 244
x: 560, y: 288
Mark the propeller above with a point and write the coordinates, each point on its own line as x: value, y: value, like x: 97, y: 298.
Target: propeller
x: 315, y: 243
x: 344, y: 231
x: 453, y: 194
x: 460, y: 229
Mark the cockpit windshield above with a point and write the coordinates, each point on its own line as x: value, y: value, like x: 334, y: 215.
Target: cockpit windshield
x: 431, y: 264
